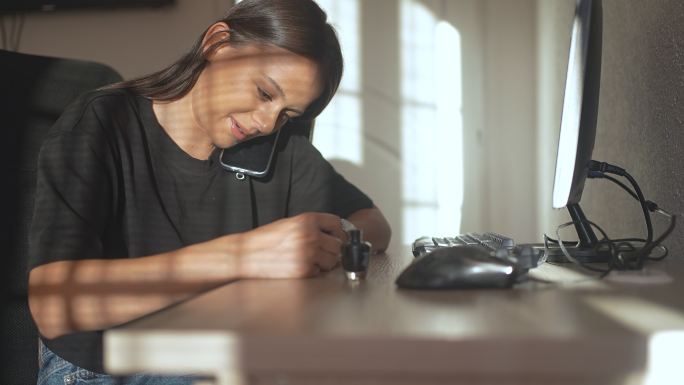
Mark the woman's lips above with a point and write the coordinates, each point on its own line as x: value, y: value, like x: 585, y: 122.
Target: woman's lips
x: 236, y: 131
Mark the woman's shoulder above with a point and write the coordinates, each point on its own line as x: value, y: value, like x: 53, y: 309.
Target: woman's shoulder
x: 108, y: 100
x: 98, y: 121
x: 299, y: 145
x: 98, y: 109
x: 296, y: 138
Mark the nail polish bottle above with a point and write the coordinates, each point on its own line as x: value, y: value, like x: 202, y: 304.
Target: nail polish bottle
x: 355, y: 256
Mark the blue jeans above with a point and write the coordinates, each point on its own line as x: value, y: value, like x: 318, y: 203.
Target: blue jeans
x: 53, y: 370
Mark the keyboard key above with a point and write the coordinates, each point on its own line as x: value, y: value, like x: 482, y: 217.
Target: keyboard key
x: 441, y: 242
x: 467, y: 239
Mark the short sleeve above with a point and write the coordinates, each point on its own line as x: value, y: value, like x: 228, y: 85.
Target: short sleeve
x: 73, y: 191
x: 316, y: 186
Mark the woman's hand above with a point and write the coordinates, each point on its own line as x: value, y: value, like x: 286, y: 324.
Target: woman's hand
x: 297, y: 247
x: 94, y: 294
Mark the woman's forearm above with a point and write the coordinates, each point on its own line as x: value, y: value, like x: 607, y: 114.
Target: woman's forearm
x: 94, y: 294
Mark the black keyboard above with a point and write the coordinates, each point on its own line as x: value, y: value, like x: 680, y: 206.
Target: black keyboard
x: 491, y: 241
x: 496, y: 244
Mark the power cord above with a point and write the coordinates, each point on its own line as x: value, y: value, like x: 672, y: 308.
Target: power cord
x: 600, y: 169
x: 566, y: 253
x: 623, y: 253
x: 629, y: 257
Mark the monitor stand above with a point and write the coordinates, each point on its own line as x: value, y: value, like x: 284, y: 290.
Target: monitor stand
x: 584, y: 251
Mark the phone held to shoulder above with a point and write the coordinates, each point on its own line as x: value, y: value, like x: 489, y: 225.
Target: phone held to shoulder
x: 253, y: 157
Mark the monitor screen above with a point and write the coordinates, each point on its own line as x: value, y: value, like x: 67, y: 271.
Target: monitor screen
x: 580, y: 104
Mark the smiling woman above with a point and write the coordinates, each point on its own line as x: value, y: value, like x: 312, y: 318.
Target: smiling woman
x: 133, y: 211
x: 242, y: 93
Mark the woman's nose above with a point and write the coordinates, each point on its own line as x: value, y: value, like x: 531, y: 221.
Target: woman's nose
x: 265, y: 120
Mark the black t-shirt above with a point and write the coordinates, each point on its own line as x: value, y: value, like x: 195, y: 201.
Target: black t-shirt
x: 112, y: 184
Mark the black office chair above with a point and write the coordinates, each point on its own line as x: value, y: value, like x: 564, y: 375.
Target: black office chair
x: 34, y: 90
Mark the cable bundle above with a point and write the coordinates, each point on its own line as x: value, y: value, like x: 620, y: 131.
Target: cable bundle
x: 624, y: 254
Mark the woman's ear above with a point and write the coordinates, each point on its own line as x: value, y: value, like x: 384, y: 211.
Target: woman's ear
x: 217, y: 32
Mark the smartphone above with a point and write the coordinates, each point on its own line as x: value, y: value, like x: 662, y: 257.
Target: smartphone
x: 253, y: 157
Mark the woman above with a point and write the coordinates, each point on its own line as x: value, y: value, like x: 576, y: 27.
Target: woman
x: 133, y: 211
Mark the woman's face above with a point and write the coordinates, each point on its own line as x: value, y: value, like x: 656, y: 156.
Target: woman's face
x: 250, y: 91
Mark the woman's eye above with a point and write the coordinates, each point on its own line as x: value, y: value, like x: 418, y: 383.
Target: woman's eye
x: 264, y: 95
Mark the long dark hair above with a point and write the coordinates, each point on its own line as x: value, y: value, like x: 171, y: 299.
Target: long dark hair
x: 299, y: 26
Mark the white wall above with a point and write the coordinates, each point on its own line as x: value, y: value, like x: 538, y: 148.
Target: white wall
x: 510, y: 108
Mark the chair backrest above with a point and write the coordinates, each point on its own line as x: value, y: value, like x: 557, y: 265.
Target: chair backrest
x: 34, y: 90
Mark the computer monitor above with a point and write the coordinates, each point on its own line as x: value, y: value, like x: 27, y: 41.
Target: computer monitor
x: 578, y: 127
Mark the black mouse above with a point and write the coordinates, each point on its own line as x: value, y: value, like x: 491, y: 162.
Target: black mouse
x: 458, y: 267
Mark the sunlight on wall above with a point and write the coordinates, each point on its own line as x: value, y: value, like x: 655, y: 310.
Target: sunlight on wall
x: 432, y: 124
x: 449, y: 126
x: 337, y: 133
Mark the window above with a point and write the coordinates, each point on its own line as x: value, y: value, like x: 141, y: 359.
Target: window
x: 432, y: 124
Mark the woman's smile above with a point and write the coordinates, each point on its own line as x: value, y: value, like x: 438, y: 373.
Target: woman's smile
x: 236, y: 130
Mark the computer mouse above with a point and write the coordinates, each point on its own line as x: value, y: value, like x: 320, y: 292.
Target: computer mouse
x: 458, y: 267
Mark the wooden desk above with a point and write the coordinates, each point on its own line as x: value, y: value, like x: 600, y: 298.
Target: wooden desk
x: 329, y: 331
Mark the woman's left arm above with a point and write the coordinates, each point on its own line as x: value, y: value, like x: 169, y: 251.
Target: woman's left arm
x: 375, y: 227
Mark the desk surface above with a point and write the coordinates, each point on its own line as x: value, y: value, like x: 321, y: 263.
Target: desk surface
x: 577, y: 328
